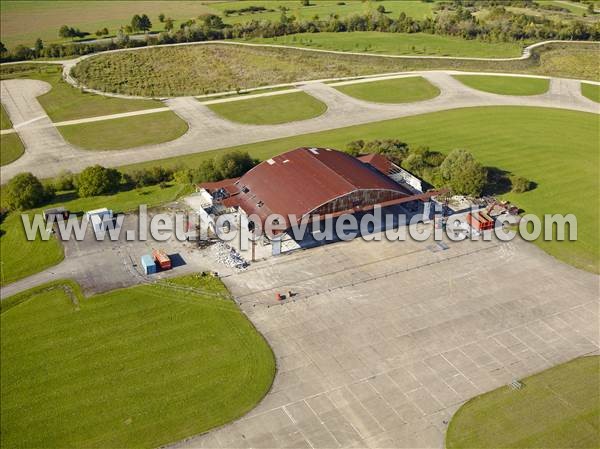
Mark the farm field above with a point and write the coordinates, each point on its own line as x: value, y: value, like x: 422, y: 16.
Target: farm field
x: 271, y: 110
x: 127, y: 132
x: 396, y: 44
x: 65, y: 102
x: 43, y: 19
x: 125, y: 381
x: 591, y: 91
x: 505, y: 85
x: 213, y: 68
x: 22, y: 258
x: 11, y: 148
x: 557, y: 408
x: 561, y: 157
x: 4, y: 120
x: 399, y: 90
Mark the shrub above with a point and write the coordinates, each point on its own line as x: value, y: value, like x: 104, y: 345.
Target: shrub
x: 520, y: 184
x: 64, y: 181
x: 151, y: 176
x: 98, y: 180
x: 234, y: 164
x: 463, y: 174
x: 25, y: 191
x: 355, y: 147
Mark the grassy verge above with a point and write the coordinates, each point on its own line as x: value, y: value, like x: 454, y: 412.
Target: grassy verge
x: 592, y: 91
x: 11, y: 148
x: 5, y: 122
x: 127, y: 132
x: 556, y: 408
x: 397, y: 44
x: 192, y: 363
x: 271, y: 110
x: 211, y: 68
x: 505, y: 85
x: 64, y: 102
x: 399, y: 90
x: 22, y: 258
x: 556, y: 149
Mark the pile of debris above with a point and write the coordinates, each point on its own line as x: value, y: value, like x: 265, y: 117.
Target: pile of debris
x: 228, y: 256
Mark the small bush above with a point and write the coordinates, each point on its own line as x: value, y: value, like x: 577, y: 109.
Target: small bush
x: 64, y: 181
x: 98, y: 180
x: 520, y: 184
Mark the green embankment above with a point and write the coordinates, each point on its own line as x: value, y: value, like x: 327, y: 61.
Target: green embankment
x: 271, y: 110
x: 127, y: 132
x: 399, y: 90
x: 505, y: 85
x: 591, y: 91
x: 11, y: 148
x: 557, y: 408
x: 137, y: 367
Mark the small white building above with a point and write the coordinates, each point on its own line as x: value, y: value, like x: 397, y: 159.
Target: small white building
x: 99, y: 218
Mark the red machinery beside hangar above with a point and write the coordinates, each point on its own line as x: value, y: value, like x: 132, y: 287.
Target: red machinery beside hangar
x: 313, y: 182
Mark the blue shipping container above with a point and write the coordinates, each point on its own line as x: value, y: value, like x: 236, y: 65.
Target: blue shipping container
x: 148, y: 264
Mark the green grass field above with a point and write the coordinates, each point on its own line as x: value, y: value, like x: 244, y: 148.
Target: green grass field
x: 128, y: 132
x: 5, y: 122
x: 505, y: 85
x: 271, y: 110
x: 21, y: 258
x: 399, y: 90
x: 557, y: 408
x: 132, y: 368
x: 557, y: 149
x: 397, y: 44
x: 64, y: 102
x: 592, y: 91
x: 11, y: 148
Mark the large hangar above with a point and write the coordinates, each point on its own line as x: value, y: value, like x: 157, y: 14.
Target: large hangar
x: 314, y: 182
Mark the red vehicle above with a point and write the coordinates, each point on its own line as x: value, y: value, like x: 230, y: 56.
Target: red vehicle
x: 161, y: 259
x: 480, y: 220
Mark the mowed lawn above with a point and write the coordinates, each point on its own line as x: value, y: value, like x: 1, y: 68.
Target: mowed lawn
x: 591, y: 91
x: 505, y: 85
x: 127, y: 132
x: 397, y: 44
x: 556, y: 149
x: 132, y: 368
x: 11, y: 148
x: 271, y: 110
x: 557, y: 408
x: 22, y: 258
x: 65, y: 102
x: 398, y: 90
x: 5, y: 122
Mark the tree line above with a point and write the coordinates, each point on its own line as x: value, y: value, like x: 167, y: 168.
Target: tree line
x: 25, y: 191
x: 499, y: 24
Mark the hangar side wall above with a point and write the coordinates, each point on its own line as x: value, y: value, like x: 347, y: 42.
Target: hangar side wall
x: 357, y: 200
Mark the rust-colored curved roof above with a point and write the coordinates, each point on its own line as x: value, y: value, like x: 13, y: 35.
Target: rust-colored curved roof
x: 299, y: 181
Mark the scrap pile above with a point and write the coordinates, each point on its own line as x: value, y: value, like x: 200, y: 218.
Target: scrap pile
x: 228, y: 256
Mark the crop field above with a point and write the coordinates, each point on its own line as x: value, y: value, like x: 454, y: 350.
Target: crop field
x: 557, y: 408
x: 592, y: 91
x: 397, y: 44
x: 22, y: 258
x: 561, y: 157
x: 136, y: 367
x: 505, y: 85
x: 11, y: 148
x: 271, y: 110
x: 65, y: 102
x: 127, y: 132
x: 398, y: 90
x: 211, y: 68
